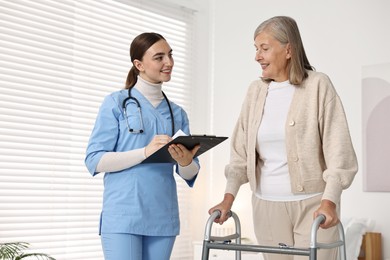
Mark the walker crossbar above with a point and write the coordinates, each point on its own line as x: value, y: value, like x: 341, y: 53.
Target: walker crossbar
x: 213, y: 242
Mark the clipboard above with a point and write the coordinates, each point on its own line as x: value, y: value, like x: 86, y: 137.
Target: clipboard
x: 189, y: 141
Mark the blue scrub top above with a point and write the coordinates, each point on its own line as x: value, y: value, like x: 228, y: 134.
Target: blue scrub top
x: 141, y: 199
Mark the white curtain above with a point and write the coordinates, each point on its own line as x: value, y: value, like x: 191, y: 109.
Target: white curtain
x: 58, y: 59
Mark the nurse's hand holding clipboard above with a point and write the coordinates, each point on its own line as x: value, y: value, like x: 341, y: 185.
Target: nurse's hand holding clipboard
x: 179, y: 152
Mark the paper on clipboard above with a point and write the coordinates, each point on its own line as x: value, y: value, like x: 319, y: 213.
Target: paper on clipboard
x: 189, y: 141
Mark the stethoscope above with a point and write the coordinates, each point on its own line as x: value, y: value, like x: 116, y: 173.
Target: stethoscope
x: 141, y: 130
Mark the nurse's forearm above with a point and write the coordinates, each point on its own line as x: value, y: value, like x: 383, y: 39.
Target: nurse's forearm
x: 117, y: 161
x: 188, y: 172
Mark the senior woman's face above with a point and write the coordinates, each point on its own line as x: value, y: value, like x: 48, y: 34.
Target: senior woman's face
x: 272, y: 56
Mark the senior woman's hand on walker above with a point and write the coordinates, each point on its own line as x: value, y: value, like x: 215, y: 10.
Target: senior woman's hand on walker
x: 224, y: 207
x: 328, y: 209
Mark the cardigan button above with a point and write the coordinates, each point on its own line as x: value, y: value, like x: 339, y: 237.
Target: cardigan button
x: 292, y: 123
x: 299, y: 188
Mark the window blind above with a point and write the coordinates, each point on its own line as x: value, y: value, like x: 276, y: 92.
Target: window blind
x: 58, y: 59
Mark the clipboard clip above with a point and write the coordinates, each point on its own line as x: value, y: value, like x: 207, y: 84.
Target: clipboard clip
x: 203, y: 135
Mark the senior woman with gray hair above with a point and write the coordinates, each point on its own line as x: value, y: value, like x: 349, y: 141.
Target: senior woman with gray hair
x: 291, y: 143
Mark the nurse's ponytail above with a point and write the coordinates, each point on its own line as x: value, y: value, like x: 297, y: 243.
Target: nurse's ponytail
x: 131, y: 77
x: 138, y: 47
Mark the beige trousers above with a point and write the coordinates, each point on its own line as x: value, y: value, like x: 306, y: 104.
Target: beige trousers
x: 290, y: 223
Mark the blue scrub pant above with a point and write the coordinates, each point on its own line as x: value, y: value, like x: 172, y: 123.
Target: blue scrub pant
x: 136, y: 247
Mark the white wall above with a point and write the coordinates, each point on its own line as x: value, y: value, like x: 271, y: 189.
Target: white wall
x: 340, y: 37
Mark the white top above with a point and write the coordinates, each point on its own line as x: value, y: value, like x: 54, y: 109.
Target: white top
x: 275, y: 184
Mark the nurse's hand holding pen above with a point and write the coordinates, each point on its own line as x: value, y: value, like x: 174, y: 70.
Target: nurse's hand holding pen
x: 157, y: 142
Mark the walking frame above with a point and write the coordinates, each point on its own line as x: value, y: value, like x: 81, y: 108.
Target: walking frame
x: 224, y: 242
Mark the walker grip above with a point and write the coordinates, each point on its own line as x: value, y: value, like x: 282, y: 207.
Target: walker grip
x: 218, y: 213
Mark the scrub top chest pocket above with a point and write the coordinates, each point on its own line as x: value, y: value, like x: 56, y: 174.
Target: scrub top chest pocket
x: 132, y: 115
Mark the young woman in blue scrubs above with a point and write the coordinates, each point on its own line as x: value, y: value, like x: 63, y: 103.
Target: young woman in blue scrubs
x: 140, y: 216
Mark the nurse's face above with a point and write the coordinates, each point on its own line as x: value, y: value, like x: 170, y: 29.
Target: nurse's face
x: 273, y: 57
x: 157, y: 63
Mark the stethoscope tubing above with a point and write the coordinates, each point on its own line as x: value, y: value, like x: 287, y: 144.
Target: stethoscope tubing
x: 140, y: 112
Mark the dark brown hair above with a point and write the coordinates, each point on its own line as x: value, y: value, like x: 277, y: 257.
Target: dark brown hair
x: 138, y: 47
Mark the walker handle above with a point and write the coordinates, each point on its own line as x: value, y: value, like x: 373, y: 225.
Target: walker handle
x: 217, y: 213
x: 321, y: 218
x: 314, y: 228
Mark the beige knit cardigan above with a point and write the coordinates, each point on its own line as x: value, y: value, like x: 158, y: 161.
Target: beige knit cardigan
x: 320, y: 154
